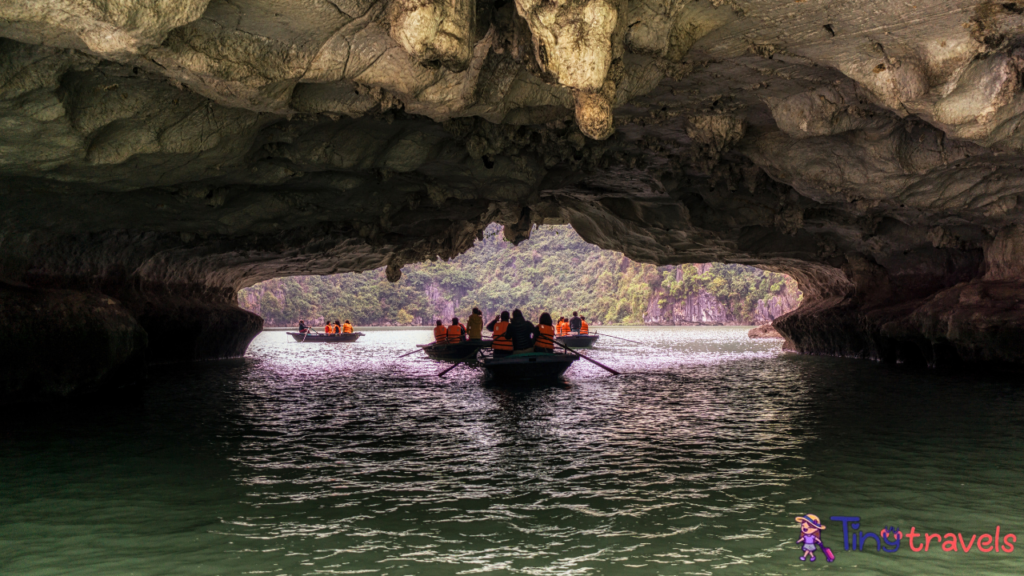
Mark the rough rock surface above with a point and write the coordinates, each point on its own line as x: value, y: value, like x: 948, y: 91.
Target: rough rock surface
x: 776, y: 306
x: 700, y: 309
x: 166, y: 153
x: 764, y: 331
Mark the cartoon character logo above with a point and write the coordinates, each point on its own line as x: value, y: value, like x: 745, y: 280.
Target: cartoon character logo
x: 810, y: 538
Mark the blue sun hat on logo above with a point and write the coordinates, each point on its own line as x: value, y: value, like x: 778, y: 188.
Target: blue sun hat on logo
x: 812, y: 520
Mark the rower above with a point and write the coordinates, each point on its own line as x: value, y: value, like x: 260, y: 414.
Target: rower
x: 584, y: 328
x: 545, y: 341
x: 521, y: 332
x: 347, y: 328
x: 456, y: 331
x: 440, y: 333
x: 575, y: 323
x: 302, y: 327
x: 328, y: 329
x: 475, y: 325
x: 502, y: 343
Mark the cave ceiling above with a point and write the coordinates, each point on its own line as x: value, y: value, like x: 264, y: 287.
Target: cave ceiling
x: 865, y: 144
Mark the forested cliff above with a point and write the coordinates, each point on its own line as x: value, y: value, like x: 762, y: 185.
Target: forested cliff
x: 554, y: 271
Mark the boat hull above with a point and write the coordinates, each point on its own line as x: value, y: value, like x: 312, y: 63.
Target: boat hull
x: 300, y: 337
x: 578, y: 341
x: 533, y: 367
x: 455, y: 352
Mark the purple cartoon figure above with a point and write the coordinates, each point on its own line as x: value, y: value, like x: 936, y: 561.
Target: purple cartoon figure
x: 810, y: 537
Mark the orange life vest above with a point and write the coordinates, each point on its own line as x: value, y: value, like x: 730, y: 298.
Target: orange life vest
x: 347, y: 328
x: 455, y: 333
x: 440, y: 334
x: 501, y: 343
x: 584, y: 329
x: 545, y: 337
x: 329, y: 329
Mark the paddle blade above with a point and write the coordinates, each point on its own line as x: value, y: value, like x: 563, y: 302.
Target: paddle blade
x: 450, y: 368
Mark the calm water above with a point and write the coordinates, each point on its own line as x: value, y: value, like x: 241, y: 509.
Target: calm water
x: 340, y: 459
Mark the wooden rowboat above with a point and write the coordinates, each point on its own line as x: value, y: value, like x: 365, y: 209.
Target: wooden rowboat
x: 531, y: 367
x: 455, y: 352
x: 310, y: 337
x: 578, y: 340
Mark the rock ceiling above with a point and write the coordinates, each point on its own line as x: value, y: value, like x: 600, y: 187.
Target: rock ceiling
x: 871, y: 148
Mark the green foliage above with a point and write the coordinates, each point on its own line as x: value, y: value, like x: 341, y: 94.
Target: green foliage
x: 554, y: 271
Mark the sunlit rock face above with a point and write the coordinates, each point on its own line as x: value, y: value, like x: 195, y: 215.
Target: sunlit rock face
x: 166, y: 153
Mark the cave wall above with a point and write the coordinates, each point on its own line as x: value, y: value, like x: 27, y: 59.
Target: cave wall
x: 164, y: 154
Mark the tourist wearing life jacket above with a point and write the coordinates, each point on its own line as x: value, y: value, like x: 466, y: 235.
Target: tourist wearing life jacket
x: 563, y: 326
x: 337, y: 327
x: 584, y: 328
x: 347, y: 328
x: 456, y: 331
x: 575, y: 323
x: 440, y: 333
x: 502, y: 342
x: 521, y: 332
x: 475, y: 325
x: 545, y: 341
x: 328, y: 329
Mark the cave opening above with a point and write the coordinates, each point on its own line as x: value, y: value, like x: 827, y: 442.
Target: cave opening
x: 554, y: 270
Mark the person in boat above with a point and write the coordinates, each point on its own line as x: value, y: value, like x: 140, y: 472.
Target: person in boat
x: 475, y: 325
x: 522, y: 333
x: 545, y: 335
x: 329, y: 328
x: 584, y: 328
x: 502, y: 343
x: 575, y: 323
x: 302, y: 327
x: 456, y: 332
x: 337, y: 328
x: 440, y: 333
x: 347, y: 328
x: 563, y: 326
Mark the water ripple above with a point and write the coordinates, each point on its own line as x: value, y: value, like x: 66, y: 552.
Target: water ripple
x: 340, y: 459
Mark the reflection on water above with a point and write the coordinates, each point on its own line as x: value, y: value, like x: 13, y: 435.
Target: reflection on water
x: 342, y: 459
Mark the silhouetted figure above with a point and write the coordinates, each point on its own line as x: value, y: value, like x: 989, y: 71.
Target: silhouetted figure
x: 522, y: 333
x: 475, y: 325
x: 575, y: 324
x: 502, y: 343
x: 545, y: 335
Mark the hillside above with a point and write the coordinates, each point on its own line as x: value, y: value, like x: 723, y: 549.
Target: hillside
x: 554, y: 271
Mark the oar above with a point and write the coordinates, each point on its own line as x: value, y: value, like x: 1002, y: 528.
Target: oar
x: 450, y: 368
x: 619, y: 337
x: 411, y: 353
x: 591, y: 360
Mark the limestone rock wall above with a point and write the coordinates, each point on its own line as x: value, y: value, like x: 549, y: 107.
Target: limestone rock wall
x: 161, y: 152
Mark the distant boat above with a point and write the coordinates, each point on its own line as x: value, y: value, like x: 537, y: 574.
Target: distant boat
x: 310, y: 337
x: 455, y: 352
x: 578, y: 340
x: 532, y: 366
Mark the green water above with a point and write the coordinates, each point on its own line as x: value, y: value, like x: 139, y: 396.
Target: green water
x: 340, y: 459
